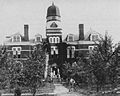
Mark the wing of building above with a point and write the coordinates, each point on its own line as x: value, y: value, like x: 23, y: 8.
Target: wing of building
x: 20, y: 46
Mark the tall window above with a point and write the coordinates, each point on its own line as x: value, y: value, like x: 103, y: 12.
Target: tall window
x: 68, y: 52
x: 38, y: 38
x: 54, y: 50
x: 14, y: 39
x: 57, y: 40
x: 18, y: 38
x: 71, y: 52
x: 50, y: 39
x: 16, y: 52
x: 54, y: 39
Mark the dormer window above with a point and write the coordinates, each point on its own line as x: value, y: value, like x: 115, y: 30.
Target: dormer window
x: 38, y: 38
x: 94, y: 37
x: 70, y: 38
x: 16, y: 38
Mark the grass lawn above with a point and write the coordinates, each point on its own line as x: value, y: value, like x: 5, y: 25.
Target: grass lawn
x: 46, y: 88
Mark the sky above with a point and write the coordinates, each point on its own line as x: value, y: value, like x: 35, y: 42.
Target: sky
x: 98, y: 15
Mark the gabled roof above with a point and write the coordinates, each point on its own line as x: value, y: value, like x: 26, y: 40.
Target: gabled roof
x: 53, y: 25
x: 38, y: 35
x: 16, y: 34
x: 91, y: 31
x: 86, y: 36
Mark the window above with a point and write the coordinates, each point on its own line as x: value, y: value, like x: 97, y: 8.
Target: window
x: 50, y: 39
x: 68, y: 52
x: 16, y: 38
x: 70, y: 38
x: 91, y: 48
x: 71, y: 52
x: 16, y: 52
x: 38, y: 39
x: 54, y: 50
x: 54, y: 39
x: 19, y: 50
x: 57, y: 40
x: 94, y: 37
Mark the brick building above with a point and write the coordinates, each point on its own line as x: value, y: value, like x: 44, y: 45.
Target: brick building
x: 19, y: 46
x: 59, y: 49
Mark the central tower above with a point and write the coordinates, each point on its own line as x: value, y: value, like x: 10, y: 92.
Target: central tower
x: 53, y: 31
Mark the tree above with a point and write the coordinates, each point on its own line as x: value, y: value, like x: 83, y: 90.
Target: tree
x: 10, y: 70
x: 34, y: 69
x: 103, y: 62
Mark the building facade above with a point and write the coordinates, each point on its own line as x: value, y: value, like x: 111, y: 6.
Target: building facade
x: 59, y: 50
x: 20, y: 47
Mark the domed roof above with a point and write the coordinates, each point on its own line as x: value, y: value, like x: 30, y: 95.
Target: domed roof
x: 53, y: 11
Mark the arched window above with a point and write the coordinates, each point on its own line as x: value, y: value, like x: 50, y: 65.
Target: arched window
x: 57, y: 40
x: 54, y: 39
x: 50, y: 39
x: 14, y: 39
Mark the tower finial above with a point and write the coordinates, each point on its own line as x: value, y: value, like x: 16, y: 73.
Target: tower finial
x: 52, y: 3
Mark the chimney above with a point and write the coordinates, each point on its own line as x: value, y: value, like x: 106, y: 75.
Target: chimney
x: 81, y: 31
x: 26, y: 35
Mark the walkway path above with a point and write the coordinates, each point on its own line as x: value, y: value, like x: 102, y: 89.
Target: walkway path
x: 60, y: 90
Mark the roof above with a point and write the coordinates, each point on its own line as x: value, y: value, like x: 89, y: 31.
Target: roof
x: 53, y: 11
x: 86, y: 36
x: 82, y: 42
x: 19, y: 43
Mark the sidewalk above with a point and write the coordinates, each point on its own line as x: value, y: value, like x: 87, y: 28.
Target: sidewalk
x: 60, y: 90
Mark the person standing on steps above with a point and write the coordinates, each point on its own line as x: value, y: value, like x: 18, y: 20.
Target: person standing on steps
x: 72, y: 84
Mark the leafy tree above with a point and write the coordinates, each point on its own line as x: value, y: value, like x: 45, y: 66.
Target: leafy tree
x: 103, y: 62
x: 34, y: 69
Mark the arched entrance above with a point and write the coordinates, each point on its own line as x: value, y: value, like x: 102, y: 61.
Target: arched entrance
x: 55, y: 74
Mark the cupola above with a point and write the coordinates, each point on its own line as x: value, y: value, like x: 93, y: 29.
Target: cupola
x: 53, y: 11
